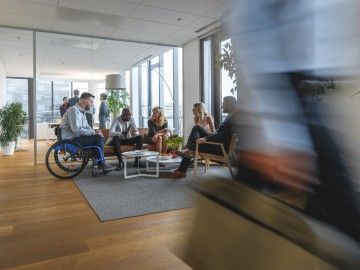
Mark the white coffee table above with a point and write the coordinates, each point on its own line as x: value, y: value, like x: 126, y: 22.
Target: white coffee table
x: 160, y: 159
x: 140, y: 154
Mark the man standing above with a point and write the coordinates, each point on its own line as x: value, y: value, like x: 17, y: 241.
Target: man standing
x: 123, y: 131
x: 104, y: 112
x: 223, y: 135
x: 74, y: 99
x: 64, y: 106
x: 74, y: 126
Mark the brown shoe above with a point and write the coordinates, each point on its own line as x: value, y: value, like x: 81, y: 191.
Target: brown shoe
x: 177, y: 174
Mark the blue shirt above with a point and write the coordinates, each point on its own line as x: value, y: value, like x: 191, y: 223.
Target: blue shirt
x: 74, y: 123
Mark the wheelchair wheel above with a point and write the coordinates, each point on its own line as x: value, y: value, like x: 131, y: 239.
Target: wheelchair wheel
x: 66, y: 159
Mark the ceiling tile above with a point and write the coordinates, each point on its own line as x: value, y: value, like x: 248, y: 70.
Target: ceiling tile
x: 148, y: 26
x: 164, y: 16
x: 104, y: 6
x: 137, y: 35
x: 187, y: 32
x: 27, y: 8
x: 199, y: 7
x: 176, y: 40
x: 46, y: 2
x: 202, y: 21
x: 7, y: 18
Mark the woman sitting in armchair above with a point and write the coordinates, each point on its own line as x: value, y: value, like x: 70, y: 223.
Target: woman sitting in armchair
x: 158, y: 130
x: 204, y: 126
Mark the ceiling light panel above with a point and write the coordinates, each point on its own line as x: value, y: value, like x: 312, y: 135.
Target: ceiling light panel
x: 198, y: 7
x: 164, y: 16
x: 104, y: 6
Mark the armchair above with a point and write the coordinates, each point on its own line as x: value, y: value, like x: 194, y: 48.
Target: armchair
x: 223, y: 157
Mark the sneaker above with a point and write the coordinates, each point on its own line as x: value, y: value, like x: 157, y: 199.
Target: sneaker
x: 107, y: 167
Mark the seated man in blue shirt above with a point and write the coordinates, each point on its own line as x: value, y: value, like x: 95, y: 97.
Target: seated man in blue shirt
x: 74, y: 126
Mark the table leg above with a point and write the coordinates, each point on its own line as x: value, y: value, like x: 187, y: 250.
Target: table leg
x: 125, y: 167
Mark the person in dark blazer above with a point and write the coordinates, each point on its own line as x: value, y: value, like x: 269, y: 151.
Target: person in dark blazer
x: 223, y: 135
x: 75, y: 99
x: 104, y: 112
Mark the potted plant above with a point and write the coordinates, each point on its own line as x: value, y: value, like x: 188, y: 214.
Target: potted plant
x: 174, y: 143
x: 12, y: 119
x: 117, y: 100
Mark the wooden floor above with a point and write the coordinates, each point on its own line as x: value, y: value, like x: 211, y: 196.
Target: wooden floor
x: 46, y: 223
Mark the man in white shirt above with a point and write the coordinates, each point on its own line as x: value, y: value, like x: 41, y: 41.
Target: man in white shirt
x: 123, y: 131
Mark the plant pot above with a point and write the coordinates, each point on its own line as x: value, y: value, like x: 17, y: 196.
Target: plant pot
x: 9, y: 149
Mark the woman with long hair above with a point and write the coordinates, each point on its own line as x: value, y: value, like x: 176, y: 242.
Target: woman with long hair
x: 158, y: 130
x: 204, y: 126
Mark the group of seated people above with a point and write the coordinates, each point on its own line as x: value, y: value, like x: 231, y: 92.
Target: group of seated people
x: 123, y: 131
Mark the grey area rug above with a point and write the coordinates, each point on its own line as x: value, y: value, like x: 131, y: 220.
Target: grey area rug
x: 113, y: 197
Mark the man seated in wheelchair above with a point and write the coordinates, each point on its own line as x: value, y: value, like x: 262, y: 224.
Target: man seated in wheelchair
x: 74, y: 126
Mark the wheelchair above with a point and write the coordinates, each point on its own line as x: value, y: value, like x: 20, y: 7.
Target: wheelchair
x: 66, y: 159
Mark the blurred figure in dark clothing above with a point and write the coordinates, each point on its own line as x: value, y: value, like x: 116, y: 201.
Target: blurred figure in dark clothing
x: 287, y: 138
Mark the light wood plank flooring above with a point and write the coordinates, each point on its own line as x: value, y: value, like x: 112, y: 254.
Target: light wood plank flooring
x: 46, y: 223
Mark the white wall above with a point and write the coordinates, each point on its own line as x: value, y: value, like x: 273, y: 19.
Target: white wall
x: 191, y: 81
x: 2, y: 85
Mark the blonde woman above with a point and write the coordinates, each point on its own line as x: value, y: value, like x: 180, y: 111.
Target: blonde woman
x: 204, y: 126
x: 203, y: 119
x: 158, y: 130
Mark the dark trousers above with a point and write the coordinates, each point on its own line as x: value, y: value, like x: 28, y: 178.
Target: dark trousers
x: 92, y: 140
x: 117, y: 142
x: 196, y: 133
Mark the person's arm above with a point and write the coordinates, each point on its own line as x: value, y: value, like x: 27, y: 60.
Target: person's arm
x: 210, y: 121
x: 75, y: 123
x: 113, y: 132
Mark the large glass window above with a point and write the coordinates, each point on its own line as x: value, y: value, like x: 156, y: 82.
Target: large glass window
x: 61, y: 90
x: 155, y: 85
x: 44, y: 102
x: 168, y: 86
x: 135, y: 97
x: 144, y: 94
x: 207, y: 75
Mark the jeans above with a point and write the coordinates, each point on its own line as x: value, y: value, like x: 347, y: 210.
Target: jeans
x: 92, y: 140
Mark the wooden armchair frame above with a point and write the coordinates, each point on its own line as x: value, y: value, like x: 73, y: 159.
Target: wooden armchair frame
x: 224, y: 158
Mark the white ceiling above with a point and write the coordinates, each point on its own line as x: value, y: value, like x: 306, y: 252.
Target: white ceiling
x: 171, y: 22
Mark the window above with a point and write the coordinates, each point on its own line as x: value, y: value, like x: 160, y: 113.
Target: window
x: 207, y: 75
x: 61, y: 90
x: 144, y: 93
x: 168, y: 87
x: 135, y: 104
x: 226, y: 82
x: 44, y: 102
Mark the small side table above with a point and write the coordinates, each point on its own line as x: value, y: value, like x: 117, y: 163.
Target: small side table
x: 140, y: 154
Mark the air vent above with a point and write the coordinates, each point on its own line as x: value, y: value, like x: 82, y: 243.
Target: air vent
x: 206, y: 27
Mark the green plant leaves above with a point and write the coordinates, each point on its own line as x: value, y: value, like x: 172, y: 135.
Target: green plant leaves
x: 117, y: 100
x: 12, y: 117
x: 174, y: 142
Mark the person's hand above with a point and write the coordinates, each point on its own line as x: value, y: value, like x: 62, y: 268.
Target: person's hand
x: 134, y: 133
x: 98, y: 132
x: 201, y: 140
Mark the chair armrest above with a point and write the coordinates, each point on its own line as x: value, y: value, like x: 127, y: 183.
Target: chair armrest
x: 211, y: 143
